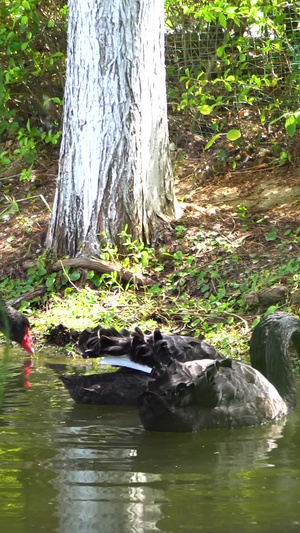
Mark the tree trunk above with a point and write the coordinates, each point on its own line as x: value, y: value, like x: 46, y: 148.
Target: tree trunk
x: 114, y: 163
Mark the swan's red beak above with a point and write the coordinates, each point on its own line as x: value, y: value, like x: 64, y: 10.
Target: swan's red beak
x: 26, y: 343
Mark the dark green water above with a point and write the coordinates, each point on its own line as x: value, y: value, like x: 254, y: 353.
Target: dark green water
x: 79, y: 469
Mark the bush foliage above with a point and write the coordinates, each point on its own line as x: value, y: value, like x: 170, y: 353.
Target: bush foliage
x: 32, y: 59
x: 242, y: 53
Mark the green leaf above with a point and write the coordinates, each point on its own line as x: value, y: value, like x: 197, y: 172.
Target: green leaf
x: 222, y: 20
x: 283, y: 157
x: 178, y: 254
x: 220, y: 51
x: 56, y: 100
x: 24, y: 20
x: 74, y: 276
x: 212, y: 141
x: 297, y: 116
x: 290, y: 125
x: 271, y: 309
x: 271, y: 235
x: 145, y: 258
x: 205, y: 109
x: 42, y: 271
x: 222, y: 154
x: 26, y: 4
x: 233, y: 135
x: 50, y: 282
x: 204, y: 288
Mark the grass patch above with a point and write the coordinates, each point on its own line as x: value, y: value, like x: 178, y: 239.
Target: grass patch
x: 202, y: 282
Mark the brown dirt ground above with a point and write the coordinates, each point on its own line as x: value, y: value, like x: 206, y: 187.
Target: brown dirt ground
x: 23, y: 230
x: 210, y: 198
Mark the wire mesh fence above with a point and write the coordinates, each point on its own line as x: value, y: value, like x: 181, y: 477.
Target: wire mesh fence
x: 234, y: 61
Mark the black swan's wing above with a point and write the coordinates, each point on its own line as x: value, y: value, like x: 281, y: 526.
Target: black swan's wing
x: 208, y: 394
x: 122, y: 387
x: 191, y: 383
x: 126, y: 385
x: 144, y: 349
x: 101, y: 341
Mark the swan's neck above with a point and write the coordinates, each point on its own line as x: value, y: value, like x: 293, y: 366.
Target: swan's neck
x: 4, y: 319
x: 279, y: 370
x: 270, y: 349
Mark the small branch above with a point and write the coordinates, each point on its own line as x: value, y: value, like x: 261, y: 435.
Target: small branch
x: 246, y: 330
x: 10, y: 177
x: 68, y: 277
x: 102, y: 267
x: 42, y: 197
x: 27, y: 296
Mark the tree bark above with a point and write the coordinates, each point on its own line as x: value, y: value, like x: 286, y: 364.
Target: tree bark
x: 114, y: 166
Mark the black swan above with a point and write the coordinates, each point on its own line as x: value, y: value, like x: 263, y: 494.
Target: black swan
x: 227, y: 394
x: 209, y: 392
x: 16, y: 326
x: 125, y: 386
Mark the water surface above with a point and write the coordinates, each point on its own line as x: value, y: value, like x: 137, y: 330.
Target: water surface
x: 78, y: 469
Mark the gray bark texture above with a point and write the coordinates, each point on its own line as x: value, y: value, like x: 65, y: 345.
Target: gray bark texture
x: 114, y: 162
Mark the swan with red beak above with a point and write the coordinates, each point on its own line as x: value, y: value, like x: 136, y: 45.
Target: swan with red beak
x: 15, y: 326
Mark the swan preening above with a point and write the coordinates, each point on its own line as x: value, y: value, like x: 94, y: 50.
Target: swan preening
x: 192, y: 386
x: 126, y: 385
x: 181, y: 383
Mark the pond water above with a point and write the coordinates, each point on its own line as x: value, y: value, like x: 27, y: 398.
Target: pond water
x: 78, y: 469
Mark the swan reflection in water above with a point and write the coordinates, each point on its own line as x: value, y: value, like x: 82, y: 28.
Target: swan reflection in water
x: 110, y: 471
